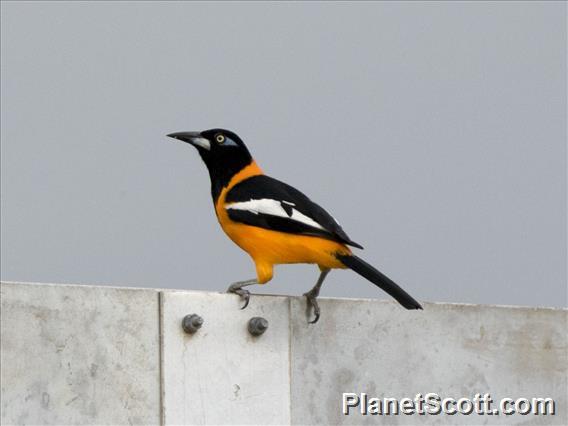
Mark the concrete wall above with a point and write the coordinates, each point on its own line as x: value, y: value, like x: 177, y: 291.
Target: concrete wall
x: 103, y: 355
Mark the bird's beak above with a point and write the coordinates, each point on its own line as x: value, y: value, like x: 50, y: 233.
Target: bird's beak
x: 193, y: 138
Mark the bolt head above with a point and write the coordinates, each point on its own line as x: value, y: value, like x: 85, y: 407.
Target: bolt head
x: 191, y: 323
x: 257, y: 326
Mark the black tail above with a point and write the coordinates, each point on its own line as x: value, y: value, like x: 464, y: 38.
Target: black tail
x: 372, y: 274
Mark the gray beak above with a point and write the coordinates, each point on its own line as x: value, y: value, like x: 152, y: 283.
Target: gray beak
x: 193, y: 138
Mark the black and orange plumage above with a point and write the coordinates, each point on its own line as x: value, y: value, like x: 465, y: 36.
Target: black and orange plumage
x: 274, y: 222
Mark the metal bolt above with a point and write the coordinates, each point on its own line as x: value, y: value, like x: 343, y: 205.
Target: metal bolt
x: 257, y: 326
x: 191, y: 323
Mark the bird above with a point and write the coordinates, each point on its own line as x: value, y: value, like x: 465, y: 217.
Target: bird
x: 274, y: 222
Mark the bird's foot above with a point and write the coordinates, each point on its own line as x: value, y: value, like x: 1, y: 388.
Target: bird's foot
x: 311, y: 297
x: 245, y: 295
x: 237, y: 288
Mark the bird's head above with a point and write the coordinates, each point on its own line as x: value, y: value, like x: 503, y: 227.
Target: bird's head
x: 222, y: 151
x: 217, y: 147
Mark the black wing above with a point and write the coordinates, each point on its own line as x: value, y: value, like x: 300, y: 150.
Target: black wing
x: 268, y: 203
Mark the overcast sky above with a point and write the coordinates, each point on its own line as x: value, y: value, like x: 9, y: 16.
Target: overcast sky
x: 434, y: 132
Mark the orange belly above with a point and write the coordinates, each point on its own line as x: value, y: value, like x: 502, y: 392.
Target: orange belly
x: 268, y: 248
x: 279, y: 247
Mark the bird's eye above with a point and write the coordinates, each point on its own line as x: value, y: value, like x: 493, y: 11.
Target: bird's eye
x: 220, y: 139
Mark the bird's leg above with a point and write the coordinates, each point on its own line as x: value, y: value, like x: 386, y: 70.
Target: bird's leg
x: 314, y: 293
x: 237, y: 288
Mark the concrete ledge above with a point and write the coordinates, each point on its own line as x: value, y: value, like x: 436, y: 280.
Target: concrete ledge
x: 79, y: 355
x: 106, y: 355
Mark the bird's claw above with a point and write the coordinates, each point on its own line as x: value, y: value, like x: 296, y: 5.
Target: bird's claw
x: 312, y: 302
x: 245, y: 294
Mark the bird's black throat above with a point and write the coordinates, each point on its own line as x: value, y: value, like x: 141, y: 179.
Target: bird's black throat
x: 223, y: 166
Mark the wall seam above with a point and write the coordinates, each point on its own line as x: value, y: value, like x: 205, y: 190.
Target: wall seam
x: 290, y: 358
x: 161, y: 357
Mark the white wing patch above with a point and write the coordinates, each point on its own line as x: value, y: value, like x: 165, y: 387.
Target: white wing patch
x: 273, y: 208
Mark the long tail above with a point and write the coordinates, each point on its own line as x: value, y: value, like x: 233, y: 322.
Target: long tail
x: 372, y: 274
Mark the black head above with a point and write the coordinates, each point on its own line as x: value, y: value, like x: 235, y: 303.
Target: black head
x: 222, y: 151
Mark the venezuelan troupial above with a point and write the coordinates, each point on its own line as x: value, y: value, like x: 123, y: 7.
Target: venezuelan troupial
x: 274, y: 222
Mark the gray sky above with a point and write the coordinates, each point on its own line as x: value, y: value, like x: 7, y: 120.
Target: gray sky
x: 434, y: 132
